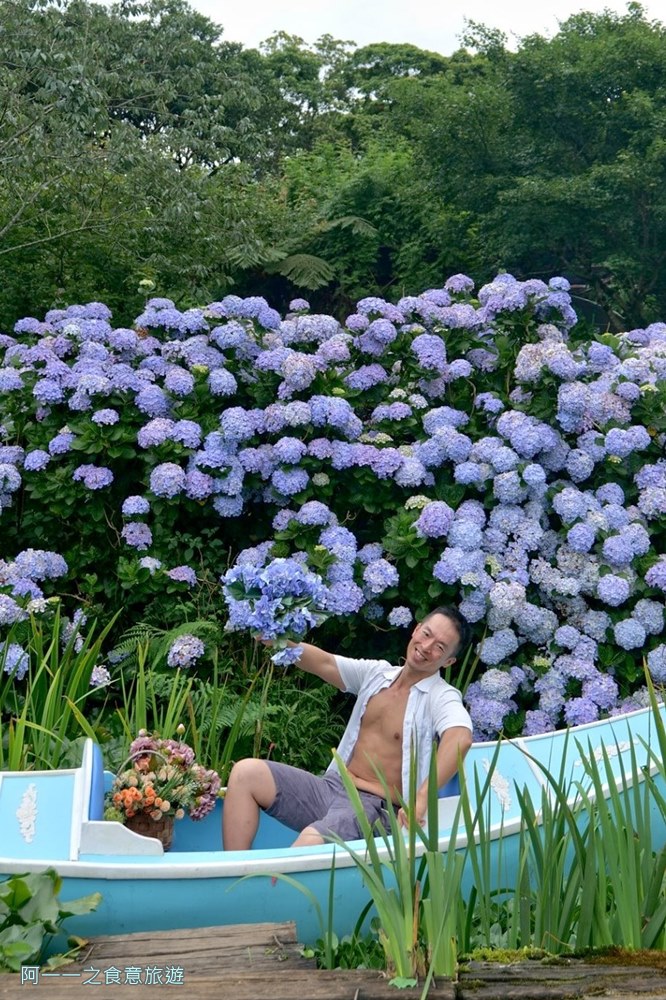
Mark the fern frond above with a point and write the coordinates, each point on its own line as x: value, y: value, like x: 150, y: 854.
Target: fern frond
x: 306, y: 270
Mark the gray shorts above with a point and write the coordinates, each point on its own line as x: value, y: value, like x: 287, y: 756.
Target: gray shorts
x: 304, y: 799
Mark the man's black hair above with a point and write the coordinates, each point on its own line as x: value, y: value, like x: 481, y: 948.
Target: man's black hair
x: 460, y: 622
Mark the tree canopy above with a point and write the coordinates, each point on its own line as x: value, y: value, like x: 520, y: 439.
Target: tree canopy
x: 138, y: 145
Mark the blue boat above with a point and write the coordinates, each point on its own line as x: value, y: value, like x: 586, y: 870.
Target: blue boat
x: 54, y: 819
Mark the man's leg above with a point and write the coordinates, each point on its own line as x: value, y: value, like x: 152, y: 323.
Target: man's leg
x: 251, y: 787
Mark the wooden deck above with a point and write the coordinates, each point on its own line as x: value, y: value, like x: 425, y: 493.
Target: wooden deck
x: 263, y: 962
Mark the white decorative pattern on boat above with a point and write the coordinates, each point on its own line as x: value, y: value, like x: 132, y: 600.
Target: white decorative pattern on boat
x: 499, y: 785
x: 612, y: 750
x: 26, y: 813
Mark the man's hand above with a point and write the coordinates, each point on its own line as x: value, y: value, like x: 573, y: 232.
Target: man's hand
x: 420, y: 810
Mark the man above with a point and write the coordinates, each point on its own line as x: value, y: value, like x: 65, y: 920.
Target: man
x: 396, y: 708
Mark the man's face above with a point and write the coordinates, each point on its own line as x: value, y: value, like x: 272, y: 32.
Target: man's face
x: 433, y: 645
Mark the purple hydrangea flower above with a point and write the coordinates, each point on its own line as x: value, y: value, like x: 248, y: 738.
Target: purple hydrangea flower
x: 435, y: 520
x: 138, y: 535
x: 183, y: 574
x: 184, y: 651
x: 105, y: 417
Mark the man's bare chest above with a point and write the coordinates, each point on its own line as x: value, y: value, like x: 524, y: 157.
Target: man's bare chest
x: 385, y: 714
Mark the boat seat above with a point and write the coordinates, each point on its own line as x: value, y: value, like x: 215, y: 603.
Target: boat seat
x: 96, y: 798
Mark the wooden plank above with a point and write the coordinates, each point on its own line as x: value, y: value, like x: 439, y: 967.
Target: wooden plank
x: 263, y: 962
x: 568, y: 978
x: 199, y: 950
x: 343, y: 984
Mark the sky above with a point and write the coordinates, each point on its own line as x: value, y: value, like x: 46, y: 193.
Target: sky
x: 429, y: 24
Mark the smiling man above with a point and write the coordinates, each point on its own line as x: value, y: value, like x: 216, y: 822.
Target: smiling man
x: 396, y: 708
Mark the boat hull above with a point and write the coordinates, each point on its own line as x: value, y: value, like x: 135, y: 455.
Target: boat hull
x: 196, y: 884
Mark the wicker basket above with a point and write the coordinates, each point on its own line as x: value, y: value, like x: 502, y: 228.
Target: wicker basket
x: 144, y: 824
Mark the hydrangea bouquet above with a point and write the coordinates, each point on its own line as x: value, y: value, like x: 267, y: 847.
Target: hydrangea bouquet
x: 163, y: 779
x: 279, y: 602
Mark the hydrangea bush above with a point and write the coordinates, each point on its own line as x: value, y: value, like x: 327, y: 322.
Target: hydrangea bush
x: 479, y: 447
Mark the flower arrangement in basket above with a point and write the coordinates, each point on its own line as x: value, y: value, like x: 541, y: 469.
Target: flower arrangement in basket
x: 162, y: 783
x: 279, y: 602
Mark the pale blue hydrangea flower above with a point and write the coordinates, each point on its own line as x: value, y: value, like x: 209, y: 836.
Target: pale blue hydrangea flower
x: 656, y: 575
x: 613, y: 590
x: 400, y: 617
x: 100, y: 676
x: 379, y: 575
x: 135, y: 505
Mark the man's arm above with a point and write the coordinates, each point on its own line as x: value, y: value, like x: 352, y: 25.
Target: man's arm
x: 320, y: 663
x: 453, y: 745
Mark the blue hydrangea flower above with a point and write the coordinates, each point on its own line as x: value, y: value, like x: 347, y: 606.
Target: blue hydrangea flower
x: 344, y: 597
x: 14, y: 660
x: 581, y: 537
x: 222, y: 383
x: 289, y: 450
x: 10, y: 611
x: 167, y: 480
x: 498, y: 647
x: 198, y: 485
x: 93, y: 477
x: 579, y: 711
x: 656, y: 661
x: 430, y: 352
x: 289, y: 482
x: 315, y: 513
x: 36, y: 460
